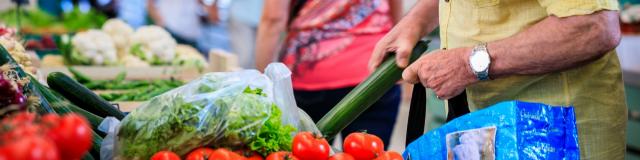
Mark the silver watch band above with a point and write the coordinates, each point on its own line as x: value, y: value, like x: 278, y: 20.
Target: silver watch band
x: 482, y: 75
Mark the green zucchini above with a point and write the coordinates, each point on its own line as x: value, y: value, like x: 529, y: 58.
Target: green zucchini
x: 63, y: 106
x: 365, y: 94
x: 96, y: 143
x: 81, y: 96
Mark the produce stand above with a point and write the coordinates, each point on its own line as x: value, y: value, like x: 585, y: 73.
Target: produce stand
x: 218, y: 62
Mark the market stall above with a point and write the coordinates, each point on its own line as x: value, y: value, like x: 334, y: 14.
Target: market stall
x: 80, y: 85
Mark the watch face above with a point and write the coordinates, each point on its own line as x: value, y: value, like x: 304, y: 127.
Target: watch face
x: 479, y: 61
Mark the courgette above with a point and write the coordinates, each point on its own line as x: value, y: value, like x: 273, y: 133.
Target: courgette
x: 365, y: 94
x: 81, y: 96
x: 62, y: 106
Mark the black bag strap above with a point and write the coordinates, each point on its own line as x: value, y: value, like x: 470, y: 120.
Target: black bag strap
x: 457, y: 106
x: 417, y: 113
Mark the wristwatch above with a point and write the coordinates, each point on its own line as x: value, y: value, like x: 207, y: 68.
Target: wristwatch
x: 479, y: 61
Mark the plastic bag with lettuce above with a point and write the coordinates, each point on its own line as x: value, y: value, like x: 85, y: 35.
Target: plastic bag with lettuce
x: 237, y: 110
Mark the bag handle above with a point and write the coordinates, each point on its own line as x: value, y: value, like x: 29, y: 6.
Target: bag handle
x: 457, y: 106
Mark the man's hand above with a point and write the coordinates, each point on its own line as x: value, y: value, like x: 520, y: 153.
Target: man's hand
x: 401, y: 40
x: 422, y: 19
x: 447, y: 72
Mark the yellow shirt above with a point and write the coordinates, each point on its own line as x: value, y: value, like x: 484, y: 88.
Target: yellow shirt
x: 595, y: 90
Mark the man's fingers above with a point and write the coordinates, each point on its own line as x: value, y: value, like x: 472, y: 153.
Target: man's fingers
x: 410, y: 74
x: 403, y: 52
x: 377, y: 56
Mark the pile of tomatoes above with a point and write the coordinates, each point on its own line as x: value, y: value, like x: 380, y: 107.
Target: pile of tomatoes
x: 27, y: 136
x: 306, y: 146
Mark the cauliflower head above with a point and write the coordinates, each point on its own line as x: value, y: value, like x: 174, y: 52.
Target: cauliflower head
x: 133, y: 61
x: 119, y: 32
x: 93, y: 47
x: 153, y: 44
x: 189, y: 57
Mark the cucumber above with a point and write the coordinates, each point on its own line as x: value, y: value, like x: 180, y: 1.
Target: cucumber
x: 81, y: 96
x: 365, y: 94
x: 62, y: 106
x: 96, y: 143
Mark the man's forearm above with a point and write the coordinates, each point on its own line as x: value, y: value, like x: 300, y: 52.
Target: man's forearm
x: 555, y: 44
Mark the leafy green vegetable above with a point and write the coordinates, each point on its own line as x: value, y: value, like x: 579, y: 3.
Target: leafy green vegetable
x: 78, y: 20
x: 273, y: 136
x: 29, y: 17
x: 180, y: 121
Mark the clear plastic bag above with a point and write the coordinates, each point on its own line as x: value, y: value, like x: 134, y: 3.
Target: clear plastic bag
x: 218, y: 110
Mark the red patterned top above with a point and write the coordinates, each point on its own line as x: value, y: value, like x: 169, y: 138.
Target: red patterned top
x: 329, y: 43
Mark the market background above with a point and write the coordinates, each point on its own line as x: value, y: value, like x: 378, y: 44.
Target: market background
x: 628, y: 52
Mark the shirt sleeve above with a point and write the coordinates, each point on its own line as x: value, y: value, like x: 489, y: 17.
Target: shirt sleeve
x: 566, y: 8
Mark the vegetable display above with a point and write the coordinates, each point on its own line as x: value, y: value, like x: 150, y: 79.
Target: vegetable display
x: 27, y: 136
x: 218, y: 110
x: 81, y: 96
x: 153, y: 44
x: 39, y: 21
x: 93, y: 47
x: 44, y: 101
x: 126, y: 90
x: 117, y: 43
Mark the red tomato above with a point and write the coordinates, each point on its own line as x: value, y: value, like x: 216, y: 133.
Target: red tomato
x: 72, y: 135
x: 309, y: 146
x: 249, y: 154
x: 225, y: 154
x: 341, y: 156
x: 200, y: 154
x: 363, y: 146
x: 19, y: 118
x: 389, y: 155
x: 23, y: 130
x: 50, y: 120
x: 165, y: 155
x: 32, y: 148
x: 282, y: 155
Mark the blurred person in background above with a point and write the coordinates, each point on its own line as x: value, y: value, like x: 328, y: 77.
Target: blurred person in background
x: 244, y: 16
x: 196, y: 23
x: 327, y: 47
x: 180, y: 17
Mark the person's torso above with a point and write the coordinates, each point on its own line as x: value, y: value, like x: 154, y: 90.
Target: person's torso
x: 328, y: 47
x: 465, y: 23
x: 181, y: 17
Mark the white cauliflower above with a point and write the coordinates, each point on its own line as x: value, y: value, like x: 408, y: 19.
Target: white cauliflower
x: 133, y: 61
x: 153, y: 44
x: 119, y: 32
x: 93, y: 47
x: 189, y: 57
x: 16, y: 50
